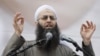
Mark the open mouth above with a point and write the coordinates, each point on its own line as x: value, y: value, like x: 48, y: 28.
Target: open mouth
x: 48, y: 26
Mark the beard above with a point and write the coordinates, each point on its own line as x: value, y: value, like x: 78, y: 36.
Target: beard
x: 53, y: 42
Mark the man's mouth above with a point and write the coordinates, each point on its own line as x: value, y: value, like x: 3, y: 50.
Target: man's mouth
x: 48, y: 26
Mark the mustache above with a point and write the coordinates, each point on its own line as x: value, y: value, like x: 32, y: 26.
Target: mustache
x: 48, y: 24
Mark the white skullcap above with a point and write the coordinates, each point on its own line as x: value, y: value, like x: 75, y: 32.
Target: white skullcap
x: 41, y: 8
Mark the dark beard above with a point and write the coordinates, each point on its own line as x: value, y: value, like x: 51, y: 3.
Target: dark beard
x: 53, y: 42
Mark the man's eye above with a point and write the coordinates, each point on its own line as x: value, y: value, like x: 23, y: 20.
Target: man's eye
x: 45, y: 17
x: 52, y: 18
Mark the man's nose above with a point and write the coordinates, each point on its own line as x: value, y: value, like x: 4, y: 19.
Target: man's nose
x: 48, y: 19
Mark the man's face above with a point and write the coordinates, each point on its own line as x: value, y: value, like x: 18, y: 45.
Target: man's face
x: 47, y: 19
x: 47, y: 22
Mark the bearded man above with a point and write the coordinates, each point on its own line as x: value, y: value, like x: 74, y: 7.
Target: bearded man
x: 46, y: 21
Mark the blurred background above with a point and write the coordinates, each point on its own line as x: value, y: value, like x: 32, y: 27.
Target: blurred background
x: 71, y: 14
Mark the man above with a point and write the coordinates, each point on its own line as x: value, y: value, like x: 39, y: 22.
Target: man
x: 46, y: 21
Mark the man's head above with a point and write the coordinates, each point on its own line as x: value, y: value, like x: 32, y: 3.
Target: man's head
x: 46, y: 16
x: 46, y: 19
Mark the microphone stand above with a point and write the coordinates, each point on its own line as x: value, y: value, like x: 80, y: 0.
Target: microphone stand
x: 20, y: 51
x: 79, y: 48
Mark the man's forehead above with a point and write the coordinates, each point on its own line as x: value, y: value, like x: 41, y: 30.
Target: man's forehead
x: 47, y: 12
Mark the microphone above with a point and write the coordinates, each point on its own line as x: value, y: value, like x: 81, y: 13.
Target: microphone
x: 13, y: 53
x: 48, y: 36
x: 63, y: 37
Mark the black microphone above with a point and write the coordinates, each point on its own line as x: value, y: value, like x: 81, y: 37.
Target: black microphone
x: 63, y: 37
